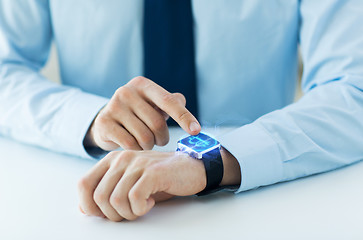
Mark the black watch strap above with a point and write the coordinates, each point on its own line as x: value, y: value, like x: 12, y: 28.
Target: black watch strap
x: 213, y: 165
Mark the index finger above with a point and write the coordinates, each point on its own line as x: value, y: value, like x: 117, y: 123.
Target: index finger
x: 172, y: 104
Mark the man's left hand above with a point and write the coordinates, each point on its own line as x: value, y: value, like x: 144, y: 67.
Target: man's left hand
x: 126, y: 184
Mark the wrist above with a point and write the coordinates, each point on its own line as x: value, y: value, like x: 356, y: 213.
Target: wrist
x: 231, y: 169
x: 89, y: 139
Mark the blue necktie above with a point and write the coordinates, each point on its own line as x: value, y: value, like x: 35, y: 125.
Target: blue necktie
x: 168, y: 37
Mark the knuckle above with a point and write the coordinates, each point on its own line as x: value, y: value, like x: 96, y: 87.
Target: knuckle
x: 99, y: 197
x: 138, y: 81
x: 102, y: 119
x: 147, y: 138
x: 125, y: 156
x: 111, y: 107
x: 123, y: 93
x: 169, y: 98
x: 134, y: 195
x: 136, y: 167
x: 129, y: 143
x: 104, y: 137
x: 111, y: 155
x: 118, y: 163
x: 185, y: 115
x: 83, y: 184
x: 159, y: 124
x: 163, y: 141
x: 174, y: 98
x: 180, y: 97
x: 116, y: 201
x: 160, y: 130
x: 121, y: 207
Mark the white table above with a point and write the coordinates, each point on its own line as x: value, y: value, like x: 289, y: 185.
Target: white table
x: 38, y: 200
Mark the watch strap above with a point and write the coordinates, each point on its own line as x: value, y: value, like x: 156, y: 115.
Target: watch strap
x: 231, y: 188
x: 213, y: 165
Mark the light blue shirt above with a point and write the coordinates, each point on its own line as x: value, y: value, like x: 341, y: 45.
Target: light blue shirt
x: 246, y: 57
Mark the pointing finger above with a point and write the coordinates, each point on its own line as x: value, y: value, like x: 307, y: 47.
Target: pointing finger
x: 171, y: 104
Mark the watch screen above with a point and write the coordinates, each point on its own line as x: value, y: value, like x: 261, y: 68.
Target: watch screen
x: 199, y: 143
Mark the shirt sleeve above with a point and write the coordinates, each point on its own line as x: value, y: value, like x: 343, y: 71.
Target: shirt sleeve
x: 324, y: 130
x: 33, y: 109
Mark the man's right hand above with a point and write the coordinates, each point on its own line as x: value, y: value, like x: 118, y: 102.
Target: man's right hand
x: 135, y: 118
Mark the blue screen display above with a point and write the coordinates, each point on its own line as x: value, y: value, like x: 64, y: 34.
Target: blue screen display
x: 199, y: 142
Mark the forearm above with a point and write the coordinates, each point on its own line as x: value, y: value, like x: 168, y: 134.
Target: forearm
x: 317, y: 134
x: 39, y: 112
x: 33, y: 109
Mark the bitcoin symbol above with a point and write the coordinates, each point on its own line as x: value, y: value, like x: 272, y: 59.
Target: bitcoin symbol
x: 198, y: 142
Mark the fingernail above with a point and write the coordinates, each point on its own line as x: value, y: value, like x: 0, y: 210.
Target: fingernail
x: 194, y: 127
x: 81, y: 210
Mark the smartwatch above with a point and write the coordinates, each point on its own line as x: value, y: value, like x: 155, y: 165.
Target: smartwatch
x: 206, y: 149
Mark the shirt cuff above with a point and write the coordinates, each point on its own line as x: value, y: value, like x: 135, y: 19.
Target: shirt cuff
x: 257, y: 153
x: 76, y: 121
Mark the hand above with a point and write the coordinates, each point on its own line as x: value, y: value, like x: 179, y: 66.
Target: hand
x: 135, y: 118
x: 126, y: 184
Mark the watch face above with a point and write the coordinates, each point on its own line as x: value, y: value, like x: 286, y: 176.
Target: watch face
x: 199, y: 144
